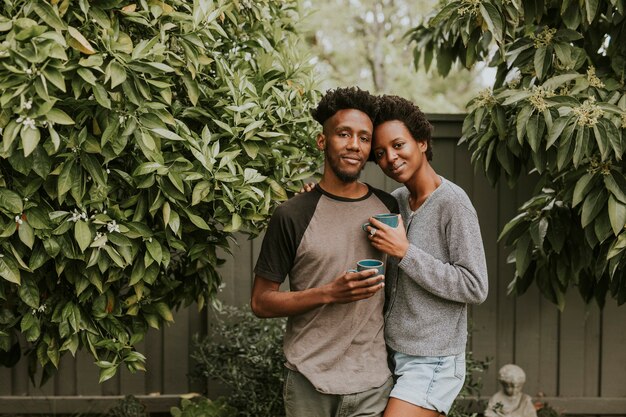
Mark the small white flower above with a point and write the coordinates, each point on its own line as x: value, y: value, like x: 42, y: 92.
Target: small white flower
x: 108, y: 171
x: 18, y: 219
x: 27, y: 105
x: 42, y: 308
x: 25, y: 198
x: 29, y: 71
x: 112, y: 226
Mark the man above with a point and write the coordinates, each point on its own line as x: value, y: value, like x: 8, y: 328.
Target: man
x: 334, y: 346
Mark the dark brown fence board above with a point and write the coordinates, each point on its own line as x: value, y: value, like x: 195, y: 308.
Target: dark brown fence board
x: 65, y: 379
x: 176, y: 354
x: 548, y: 349
x: 154, y: 361
x: 505, y: 326
x: 5, y: 381
x: 573, y: 347
x: 87, y: 374
x: 133, y: 383
x: 484, y: 316
x: 592, y: 362
x: 613, y: 374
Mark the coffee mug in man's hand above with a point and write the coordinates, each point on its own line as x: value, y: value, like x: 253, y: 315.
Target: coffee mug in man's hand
x: 390, y: 219
x: 365, y: 264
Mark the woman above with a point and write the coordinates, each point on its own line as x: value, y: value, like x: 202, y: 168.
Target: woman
x: 436, y: 266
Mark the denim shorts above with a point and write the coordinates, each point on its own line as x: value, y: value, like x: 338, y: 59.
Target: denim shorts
x: 431, y: 382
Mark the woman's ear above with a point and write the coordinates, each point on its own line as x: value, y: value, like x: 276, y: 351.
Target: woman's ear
x: 422, y: 145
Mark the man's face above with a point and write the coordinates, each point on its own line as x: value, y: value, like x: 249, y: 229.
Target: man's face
x: 346, y: 141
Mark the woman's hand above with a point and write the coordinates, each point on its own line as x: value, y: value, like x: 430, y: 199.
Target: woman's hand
x: 390, y: 240
x: 306, y: 188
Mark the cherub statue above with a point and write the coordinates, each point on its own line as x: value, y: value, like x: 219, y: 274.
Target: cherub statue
x: 510, y: 401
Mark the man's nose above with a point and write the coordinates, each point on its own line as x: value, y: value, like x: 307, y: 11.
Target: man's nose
x: 353, y: 142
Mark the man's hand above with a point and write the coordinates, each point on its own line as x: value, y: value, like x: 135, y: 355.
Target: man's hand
x: 268, y: 301
x: 353, y: 286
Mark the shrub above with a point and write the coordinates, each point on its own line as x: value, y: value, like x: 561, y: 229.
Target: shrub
x: 472, y: 387
x: 136, y: 138
x: 129, y: 406
x: 203, y: 407
x: 245, y: 354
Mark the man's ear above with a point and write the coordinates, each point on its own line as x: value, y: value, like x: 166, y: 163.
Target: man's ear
x: 422, y: 145
x: 321, y: 141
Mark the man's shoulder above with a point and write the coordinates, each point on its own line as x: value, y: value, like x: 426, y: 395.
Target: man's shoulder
x: 298, y: 205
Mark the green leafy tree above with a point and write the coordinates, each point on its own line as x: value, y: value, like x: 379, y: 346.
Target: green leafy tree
x: 557, y: 109
x: 360, y: 42
x: 136, y: 139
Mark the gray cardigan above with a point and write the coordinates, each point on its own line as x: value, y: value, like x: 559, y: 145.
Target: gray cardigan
x: 443, y: 270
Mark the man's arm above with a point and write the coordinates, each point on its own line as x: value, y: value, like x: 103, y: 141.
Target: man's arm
x: 267, y: 301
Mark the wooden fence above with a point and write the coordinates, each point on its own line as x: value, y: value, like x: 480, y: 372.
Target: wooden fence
x: 576, y: 359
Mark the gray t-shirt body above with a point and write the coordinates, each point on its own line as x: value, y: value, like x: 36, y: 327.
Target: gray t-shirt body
x: 443, y: 270
x: 313, y: 238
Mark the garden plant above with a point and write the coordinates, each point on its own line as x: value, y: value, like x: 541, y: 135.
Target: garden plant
x: 556, y: 112
x: 136, y: 139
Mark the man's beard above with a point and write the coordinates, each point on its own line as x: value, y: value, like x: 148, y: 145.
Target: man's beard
x: 342, y: 175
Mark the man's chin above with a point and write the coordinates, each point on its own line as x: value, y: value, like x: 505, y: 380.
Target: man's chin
x: 348, y: 177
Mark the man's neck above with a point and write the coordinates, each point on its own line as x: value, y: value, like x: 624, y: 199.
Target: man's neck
x: 354, y: 189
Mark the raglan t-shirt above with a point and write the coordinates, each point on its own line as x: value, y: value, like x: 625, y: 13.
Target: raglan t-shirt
x: 313, y: 238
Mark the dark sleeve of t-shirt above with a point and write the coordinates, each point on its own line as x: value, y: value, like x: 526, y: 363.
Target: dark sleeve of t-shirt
x: 388, y: 200
x: 284, y: 234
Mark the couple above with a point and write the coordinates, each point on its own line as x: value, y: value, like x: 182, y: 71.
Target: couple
x: 337, y: 342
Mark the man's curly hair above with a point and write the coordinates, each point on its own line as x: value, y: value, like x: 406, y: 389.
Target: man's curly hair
x: 345, y: 98
x: 397, y: 108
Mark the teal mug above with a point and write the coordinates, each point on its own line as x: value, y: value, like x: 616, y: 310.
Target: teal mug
x: 365, y: 264
x: 390, y: 219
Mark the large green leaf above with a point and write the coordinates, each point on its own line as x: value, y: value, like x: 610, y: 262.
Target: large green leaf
x: 617, y: 215
x: 82, y: 234
x: 8, y: 270
x: 10, y: 201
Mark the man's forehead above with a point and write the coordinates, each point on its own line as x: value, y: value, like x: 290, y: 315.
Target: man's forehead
x: 352, y: 118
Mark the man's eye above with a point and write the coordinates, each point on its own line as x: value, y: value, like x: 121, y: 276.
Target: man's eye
x: 365, y: 139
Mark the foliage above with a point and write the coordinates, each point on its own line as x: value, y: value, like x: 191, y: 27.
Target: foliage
x: 136, y: 139
x: 470, y: 393
x: 546, y: 410
x: 129, y: 406
x: 558, y: 110
x: 245, y: 354
x: 203, y: 407
x: 359, y: 43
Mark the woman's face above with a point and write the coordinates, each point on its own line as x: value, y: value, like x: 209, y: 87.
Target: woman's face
x: 398, y: 154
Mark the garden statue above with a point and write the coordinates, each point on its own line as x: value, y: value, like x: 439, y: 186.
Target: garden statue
x: 510, y: 401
